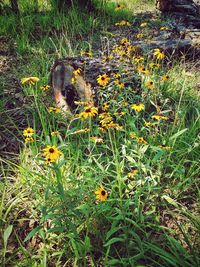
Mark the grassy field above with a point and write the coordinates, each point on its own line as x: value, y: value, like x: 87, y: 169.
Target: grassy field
x: 113, y: 185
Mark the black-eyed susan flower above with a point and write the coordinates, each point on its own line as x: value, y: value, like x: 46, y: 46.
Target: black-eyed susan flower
x: 123, y: 23
x: 55, y: 133
x: 119, y: 84
x: 138, y: 107
x: 133, y: 135
x: 165, y: 78
x: 28, y: 132
x: 85, y: 130
x: 142, y: 70
x: 54, y: 110
x: 29, y: 140
x: 163, y: 28
x: 159, y: 117
x: 29, y: 80
x: 103, y: 80
x: 158, y: 54
x: 132, y: 173
x: 86, y: 53
x: 141, y: 140
x: 139, y: 35
x: 143, y: 24
x: 96, y: 140
x: 51, y: 152
x: 165, y: 147
x: 124, y: 42
x: 148, y: 123
x: 101, y: 194
x: 89, y: 112
x: 154, y: 65
x: 119, y: 7
x: 105, y: 106
x: 149, y: 84
x: 45, y: 87
x: 107, y: 59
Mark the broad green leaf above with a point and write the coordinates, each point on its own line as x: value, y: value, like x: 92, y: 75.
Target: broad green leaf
x: 170, y: 200
x: 114, y: 240
x: 178, y: 134
x: 7, y: 233
x: 33, y: 232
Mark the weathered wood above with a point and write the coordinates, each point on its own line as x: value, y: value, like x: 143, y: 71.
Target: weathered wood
x: 191, y: 7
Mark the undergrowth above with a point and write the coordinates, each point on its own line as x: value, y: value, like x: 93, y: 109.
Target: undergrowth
x: 121, y: 185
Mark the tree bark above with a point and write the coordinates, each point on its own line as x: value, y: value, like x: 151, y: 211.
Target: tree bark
x: 189, y: 7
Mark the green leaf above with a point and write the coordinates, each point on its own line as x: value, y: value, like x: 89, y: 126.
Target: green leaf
x: 7, y: 233
x: 170, y: 200
x: 178, y: 134
x: 114, y: 240
x: 33, y: 232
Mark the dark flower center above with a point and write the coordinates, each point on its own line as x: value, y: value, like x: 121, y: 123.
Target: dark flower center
x: 88, y: 110
x: 103, y: 193
x: 51, y: 150
x: 151, y: 83
x: 102, y: 78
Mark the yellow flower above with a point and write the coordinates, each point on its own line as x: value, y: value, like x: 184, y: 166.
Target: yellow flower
x: 154, y: 65
x: 123, y: 23
x: 45, y: 87
x: 86, y: 53
x: 105, y: 106
x: 103, y: 79
x: 51, y: 153
x: 138, y: 59
x: 119, y: 7
x: 29, y: 140
x: 165, y: 147
x: 117, y: 75
x: 148, y: 123
x: 138, y: 107
x: 89, y: 112
x: 113, y: 125
x: 159, y: 117
x: 28, y: 132
x: 143, y: 70
x: 143, y: 24
x: 85, y: 130
x: 55, y: 133
x: 141, y: 140
x: 49, y: 161
x: 107, y: 59
x: 54, y: 110
x: 101, y: 194
x: 139, y: 35
x: 132, y: 173
x: 149, y: 84
x: 164, y: 28
x: 158, y: 54
x: 29, y: 80
x: 77, y: 72
x: 165, y: 78
x: 124, y: 41
x: 96, y: 140
x: 133, y: 135
x: 81, y: 103
x: 119, y: 84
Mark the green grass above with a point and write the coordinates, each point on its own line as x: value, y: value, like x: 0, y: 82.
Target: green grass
x: 49, y: 215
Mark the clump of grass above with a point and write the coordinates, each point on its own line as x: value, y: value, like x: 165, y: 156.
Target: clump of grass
x: 116, y: 185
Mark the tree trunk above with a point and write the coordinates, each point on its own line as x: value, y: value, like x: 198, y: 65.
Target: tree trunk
x: 14, y: 6
x: 189, y: 7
